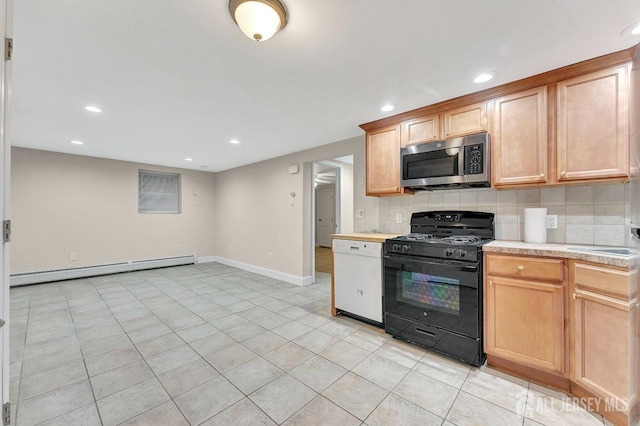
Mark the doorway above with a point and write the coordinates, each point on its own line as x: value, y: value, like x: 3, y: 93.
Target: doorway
x: 332, y: 209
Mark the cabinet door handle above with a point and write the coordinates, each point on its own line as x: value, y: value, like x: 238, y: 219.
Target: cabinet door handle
x: 521, y: 268
x: 575, y: 296
x: 490, y: 283
x: 542, y: 176
x: 563, y: 173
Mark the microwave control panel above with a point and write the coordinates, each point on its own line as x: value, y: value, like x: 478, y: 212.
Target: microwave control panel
x: 474, y: 159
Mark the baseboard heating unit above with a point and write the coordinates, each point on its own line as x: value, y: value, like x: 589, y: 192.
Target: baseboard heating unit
x: 38, y: 277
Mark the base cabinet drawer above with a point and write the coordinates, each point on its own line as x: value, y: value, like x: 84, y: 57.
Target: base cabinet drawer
x: 525, y: 267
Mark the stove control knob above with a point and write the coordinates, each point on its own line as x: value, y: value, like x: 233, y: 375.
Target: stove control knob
x: 448, y: 252
x: 405, y: 248
x: 437, y: 217
x: 457, y: 218
x: 462, y: 253
x: 396, y: 247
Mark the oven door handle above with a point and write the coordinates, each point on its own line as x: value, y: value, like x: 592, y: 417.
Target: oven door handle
x: 410, y: 264
x: 461, y: 268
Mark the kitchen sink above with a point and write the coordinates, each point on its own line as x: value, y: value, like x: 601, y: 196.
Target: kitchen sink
x: 613, y: 251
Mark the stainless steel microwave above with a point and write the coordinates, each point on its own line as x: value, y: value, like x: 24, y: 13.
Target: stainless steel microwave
x: 455, y: 163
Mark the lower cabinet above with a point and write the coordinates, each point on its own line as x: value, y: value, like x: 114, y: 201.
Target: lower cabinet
x: 525, y: 322
x: 569, y: 324
x: 604, y: 338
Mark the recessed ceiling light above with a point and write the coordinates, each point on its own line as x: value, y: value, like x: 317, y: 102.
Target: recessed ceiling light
x: 75, y: 142
x: 483, y: 78
x: 188, y: 159
x: 234, y: 141
x: 92, y: 108
x: 631, y: 31
x: 387, y: 108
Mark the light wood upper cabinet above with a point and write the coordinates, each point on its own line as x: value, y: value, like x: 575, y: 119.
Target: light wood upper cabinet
x: 465, y: 120
x: 565, y: 126
x: 519, y: 138
x: 419, y: 130
x: 383, y: 161
x: 604, y: 330
x: 453, y: 123
x: 524, y: 318
x: 592, y: 126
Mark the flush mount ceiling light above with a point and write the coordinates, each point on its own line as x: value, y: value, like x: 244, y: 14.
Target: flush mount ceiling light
x: 483, y: 78
x: 76, y: 142
x: 234, y: 141
x: 92, y: 108
x: 188, y: 159
x: 387, y: 108
x: 258, y: 19
x: 631, y: 31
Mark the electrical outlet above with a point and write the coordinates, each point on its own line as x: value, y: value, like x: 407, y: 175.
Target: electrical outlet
x: 552, y: 221
x: 73, y: 257
x: 399, y: 218
x: 360, y: 213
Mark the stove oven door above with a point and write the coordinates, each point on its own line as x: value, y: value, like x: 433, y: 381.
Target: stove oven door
x: 437, y: 293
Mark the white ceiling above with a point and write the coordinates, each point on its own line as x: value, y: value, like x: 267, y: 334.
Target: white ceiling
x: 177, y: 78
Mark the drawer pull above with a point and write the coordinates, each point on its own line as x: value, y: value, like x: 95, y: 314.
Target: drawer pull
x: 521, y: 268
x: 575, y: 296
x: 542, y: 176
x: 562, y: 174
x: 428, y: 333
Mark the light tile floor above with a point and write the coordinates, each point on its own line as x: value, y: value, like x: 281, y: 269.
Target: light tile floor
x: 210, y: 344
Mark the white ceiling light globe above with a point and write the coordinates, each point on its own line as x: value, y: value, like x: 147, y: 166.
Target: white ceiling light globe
x: 257, y: 20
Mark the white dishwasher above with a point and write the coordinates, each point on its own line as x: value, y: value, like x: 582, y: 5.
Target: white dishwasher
x: 357, y: 268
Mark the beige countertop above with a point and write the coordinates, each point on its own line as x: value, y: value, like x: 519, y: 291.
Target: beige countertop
x: 567, y: 251
x: 374, y: 238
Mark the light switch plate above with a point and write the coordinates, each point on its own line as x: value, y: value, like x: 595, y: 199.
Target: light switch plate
x: 399, y: 218
x: 360, y: 213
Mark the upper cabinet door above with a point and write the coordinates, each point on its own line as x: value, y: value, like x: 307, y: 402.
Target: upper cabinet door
x: 519, y: 138
x: 383, y: 161
x: 592, y: 127
x: 419, y: 130
x: 465, y: 120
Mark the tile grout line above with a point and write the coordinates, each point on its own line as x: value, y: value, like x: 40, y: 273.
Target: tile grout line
x: 22, y: 360
x: 95, y: 401
x: 142, y: 357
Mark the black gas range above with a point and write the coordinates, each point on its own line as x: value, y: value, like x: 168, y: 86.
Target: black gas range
x: 433, y: 282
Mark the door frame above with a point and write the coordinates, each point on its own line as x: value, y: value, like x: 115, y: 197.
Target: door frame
x: 6, y: 15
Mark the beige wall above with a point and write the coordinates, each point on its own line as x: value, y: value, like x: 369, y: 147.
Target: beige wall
x: 65, y: 203
x: 254, y: 213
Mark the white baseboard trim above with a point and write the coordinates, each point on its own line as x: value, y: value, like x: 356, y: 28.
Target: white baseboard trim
x: 271, y: 273
x: 39, y: 277
x: 206, y: 259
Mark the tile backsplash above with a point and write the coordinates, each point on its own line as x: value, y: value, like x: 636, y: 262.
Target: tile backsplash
x: 588, y: 214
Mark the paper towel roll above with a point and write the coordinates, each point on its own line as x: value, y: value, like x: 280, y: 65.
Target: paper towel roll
x: 535, y: 225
